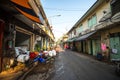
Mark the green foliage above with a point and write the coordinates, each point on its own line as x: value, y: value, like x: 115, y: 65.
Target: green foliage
x: 37, y: 47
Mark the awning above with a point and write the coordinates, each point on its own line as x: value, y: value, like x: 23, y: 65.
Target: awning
x: 85, y: 36
x: 23, y: 7
x: 71, y: 40
x: 23, y: 3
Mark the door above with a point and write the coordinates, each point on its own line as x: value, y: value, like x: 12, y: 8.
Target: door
x: 84, y: 46
x: 98, y: 46
x: 115, y: 48
x: 91, y: 48
x: 82, y: 49
x: 1, y: 40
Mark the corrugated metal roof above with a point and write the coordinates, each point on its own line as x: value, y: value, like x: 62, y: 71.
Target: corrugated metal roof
x: 85, y: 36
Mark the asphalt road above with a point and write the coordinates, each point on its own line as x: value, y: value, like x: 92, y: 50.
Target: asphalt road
x: 73, y: 66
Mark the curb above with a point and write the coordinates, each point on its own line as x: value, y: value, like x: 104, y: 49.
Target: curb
x: 22, y: 77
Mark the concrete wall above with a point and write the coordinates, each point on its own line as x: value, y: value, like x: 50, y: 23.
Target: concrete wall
x: 105, y: 34
x: 99, y: 13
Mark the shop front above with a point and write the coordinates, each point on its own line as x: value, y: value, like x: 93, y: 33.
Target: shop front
x: 23, y: 39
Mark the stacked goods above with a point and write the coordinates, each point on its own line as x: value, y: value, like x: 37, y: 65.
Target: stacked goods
x: 37, y: 53
x: 32, y: 55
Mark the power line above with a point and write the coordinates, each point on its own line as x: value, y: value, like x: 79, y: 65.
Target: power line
x: 58, y: 9
x: 63, y: 22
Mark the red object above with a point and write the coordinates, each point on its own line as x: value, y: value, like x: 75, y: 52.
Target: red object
x: 65, y: 46
x: 32, y: 55
x: 1, y: 42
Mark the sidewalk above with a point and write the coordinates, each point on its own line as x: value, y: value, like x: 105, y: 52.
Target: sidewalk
x: 13, y: 74
x: 94, y: 57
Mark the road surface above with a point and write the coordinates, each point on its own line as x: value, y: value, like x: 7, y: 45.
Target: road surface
x: 73, y: 66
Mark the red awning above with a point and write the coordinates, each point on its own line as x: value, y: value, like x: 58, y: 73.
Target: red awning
x: 23, y: 7
x: 36, y: 19
x: 23, y: 3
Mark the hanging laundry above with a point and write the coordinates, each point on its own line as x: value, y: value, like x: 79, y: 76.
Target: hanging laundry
x: 103, y: 46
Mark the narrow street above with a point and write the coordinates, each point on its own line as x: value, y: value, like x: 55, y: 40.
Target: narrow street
x: 33, y: 31
x: 73, y: 66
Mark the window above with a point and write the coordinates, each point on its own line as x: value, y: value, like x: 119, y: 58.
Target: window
x: 89, y: 22
x: 74, y: 32
x: 80, y: 28
x: 92, y: 21
x: 115, y: 6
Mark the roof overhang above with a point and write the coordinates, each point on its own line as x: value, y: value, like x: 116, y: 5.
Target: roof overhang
x: 35, y: 4
x: 24, y: 8
x: 83, y: 37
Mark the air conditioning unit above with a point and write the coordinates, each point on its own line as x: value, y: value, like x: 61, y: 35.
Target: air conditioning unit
x: 80, y: 34
x: 38, y: 39
x: 87, y: 30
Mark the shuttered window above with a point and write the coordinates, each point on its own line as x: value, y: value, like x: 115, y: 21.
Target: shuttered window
x: 92, y: 21
x: 80, y: 28
x: 89, y: 22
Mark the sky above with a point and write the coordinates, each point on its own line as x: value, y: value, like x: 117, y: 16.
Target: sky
x: 63, y: 14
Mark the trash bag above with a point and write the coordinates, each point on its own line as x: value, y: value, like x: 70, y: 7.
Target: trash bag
x: 39, y: 59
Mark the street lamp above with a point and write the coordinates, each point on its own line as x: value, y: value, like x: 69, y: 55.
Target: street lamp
x: 54, y: 16
x: 49, y: 18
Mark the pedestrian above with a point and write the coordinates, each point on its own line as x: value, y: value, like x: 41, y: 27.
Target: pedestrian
x: 65, y: 46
